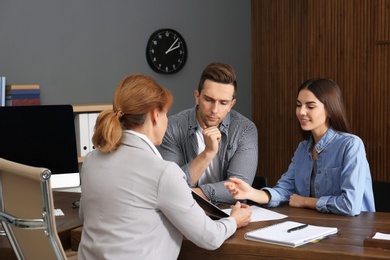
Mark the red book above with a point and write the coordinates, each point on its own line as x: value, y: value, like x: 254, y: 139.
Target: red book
x: 26, y: 102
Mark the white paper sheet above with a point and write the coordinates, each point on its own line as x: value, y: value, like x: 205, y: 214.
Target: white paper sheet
x: 379, y: 235
x: 261, y: 214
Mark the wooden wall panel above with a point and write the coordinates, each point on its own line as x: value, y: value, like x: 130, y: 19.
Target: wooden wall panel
x: 346, y: 40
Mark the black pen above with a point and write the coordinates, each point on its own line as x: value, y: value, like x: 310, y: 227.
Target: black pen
x: 296, y: 228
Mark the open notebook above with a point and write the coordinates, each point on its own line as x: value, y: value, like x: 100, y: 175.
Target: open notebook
x: 278, y: 234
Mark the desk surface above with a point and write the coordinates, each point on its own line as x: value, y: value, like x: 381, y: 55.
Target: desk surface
x: 63, y: 201
x: 346, y: 244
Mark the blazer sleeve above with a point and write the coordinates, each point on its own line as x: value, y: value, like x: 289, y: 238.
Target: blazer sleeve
x: 176, y: 202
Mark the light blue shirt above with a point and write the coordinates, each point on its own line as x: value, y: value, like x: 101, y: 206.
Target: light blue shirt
x: 343, y: 181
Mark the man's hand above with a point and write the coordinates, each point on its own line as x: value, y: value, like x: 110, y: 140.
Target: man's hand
x: 212, y: 137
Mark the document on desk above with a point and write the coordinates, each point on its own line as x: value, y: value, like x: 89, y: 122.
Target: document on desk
x: 70, y: 189
x: 290, y: 233
x: 379, y: 235
x: 261, y: 214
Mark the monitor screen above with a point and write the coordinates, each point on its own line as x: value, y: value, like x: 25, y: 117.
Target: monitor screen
x: 41, y: 136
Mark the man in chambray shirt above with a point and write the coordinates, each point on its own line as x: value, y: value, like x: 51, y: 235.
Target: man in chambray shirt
x: 211, y: 142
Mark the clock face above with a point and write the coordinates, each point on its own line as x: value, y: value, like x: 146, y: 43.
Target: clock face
x: 166, y: 51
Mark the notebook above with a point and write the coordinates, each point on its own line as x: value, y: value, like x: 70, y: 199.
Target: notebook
x: 211, y: 210
x: 278, y: 234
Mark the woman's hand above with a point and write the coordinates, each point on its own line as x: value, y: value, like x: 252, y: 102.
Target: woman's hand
x: 298, y: 201
x: 238, y: 188
x: 241, y: 190
x: 241, y: 213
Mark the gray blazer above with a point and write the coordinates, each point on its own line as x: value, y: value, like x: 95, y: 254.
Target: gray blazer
x: 137, y: 206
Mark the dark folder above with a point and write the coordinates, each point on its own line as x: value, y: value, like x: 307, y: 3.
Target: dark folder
x: 211, y: 210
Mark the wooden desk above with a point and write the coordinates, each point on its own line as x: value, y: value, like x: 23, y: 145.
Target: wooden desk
x: 346, y: 244
x: 63, y: 201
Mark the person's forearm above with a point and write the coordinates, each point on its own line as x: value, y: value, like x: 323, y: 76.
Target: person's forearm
x: 310, y: 202
x: 259, y: 196
x: 199, y: 165
x: 200, y: 192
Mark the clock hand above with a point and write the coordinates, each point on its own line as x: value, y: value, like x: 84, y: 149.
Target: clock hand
x: 172, y: 48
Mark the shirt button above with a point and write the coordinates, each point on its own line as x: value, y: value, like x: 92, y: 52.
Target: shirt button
x: 317, y: 187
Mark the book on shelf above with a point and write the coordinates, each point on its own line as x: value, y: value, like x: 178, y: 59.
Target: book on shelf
x: 19, y: 87
x: 22, y: 95
x: 23, y: 102
x: 290, y: 233
x: 11, y: 92
x: 2, y: 91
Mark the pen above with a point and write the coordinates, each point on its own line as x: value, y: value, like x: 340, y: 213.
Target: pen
x: 296, y: 228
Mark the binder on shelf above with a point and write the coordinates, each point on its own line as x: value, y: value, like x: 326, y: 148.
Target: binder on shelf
x: 82, y: 133
x: 85, y: 118
x: 91, y: 128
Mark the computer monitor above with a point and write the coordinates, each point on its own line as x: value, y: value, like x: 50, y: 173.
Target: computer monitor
x: 41, y: 136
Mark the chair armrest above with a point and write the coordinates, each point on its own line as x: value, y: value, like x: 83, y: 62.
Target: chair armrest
x: 21, y: 223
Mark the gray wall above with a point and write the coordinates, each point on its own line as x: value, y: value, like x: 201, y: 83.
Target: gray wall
x: 78, y: 50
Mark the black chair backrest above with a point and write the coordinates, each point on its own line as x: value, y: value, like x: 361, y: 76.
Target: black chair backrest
x: 381, y: 195
x: 260, y: 182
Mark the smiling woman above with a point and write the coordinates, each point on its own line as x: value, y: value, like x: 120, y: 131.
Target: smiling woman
x: 329, y: 171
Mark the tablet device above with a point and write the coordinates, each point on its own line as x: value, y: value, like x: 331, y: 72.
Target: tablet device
x: 211, y: 210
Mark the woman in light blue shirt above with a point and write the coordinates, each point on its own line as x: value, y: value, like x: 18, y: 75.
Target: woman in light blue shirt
x: 329, y: 171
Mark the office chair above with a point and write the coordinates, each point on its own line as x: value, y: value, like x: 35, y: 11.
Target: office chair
x: 260, y: 182
x: 381, y: 191
x: 27, y: 212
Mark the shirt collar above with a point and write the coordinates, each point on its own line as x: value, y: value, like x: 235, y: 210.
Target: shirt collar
x: 324, y: 141
x: 194, y: 125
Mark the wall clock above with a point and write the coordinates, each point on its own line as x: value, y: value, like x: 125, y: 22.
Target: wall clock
x: 166, y: 51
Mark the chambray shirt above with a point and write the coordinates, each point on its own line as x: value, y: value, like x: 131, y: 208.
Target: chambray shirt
x: 342, y: 182
x: 237, y: 152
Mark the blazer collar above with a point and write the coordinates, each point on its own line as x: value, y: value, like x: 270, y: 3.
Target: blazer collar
x: 134, y: 139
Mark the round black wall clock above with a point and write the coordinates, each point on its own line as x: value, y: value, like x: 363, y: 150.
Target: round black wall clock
x: 166, y: 51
